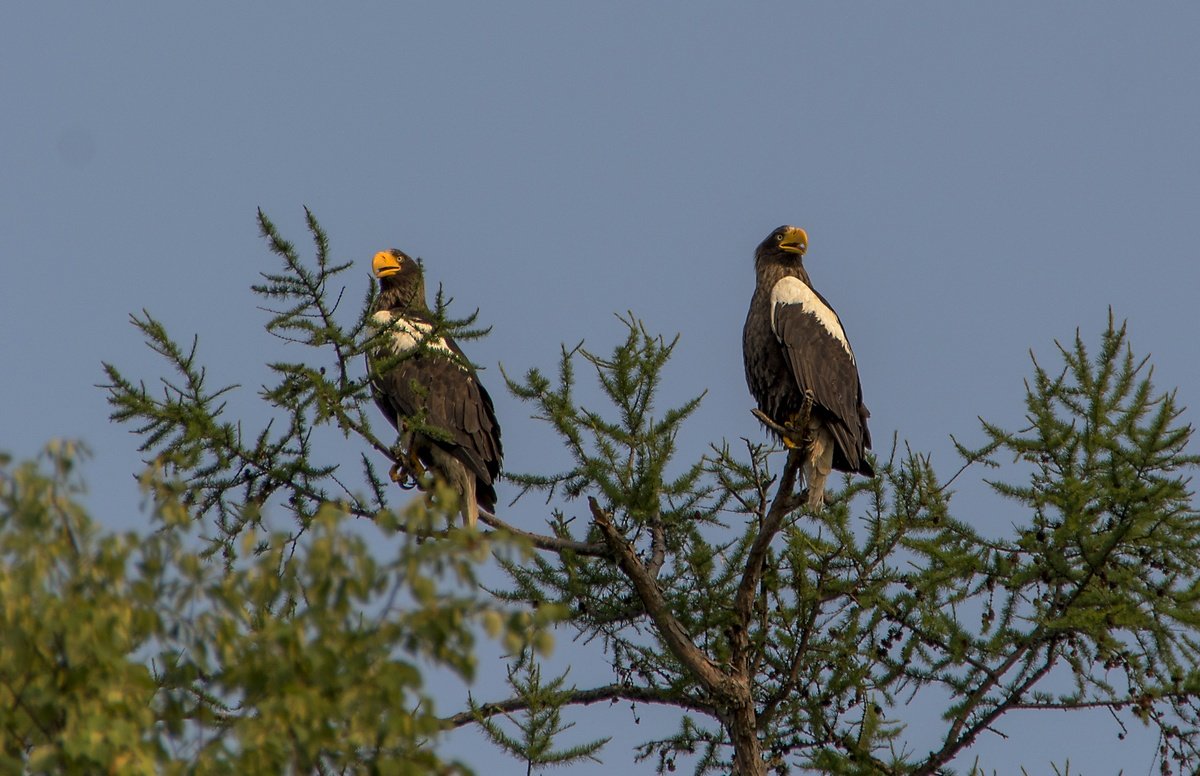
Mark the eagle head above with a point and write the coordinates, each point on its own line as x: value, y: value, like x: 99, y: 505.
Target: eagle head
x: 785, y: 239
x: 388, y: 263
x: 401, y: 279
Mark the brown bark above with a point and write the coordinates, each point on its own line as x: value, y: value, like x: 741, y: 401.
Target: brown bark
x: 743, y: 733
x: 543, y: 541
x: 729, y: 686
x: 710, y: 676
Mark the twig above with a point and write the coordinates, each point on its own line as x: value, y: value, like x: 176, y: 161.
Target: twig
x: 766, y: 421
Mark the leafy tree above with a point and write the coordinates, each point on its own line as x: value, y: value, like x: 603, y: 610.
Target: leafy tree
x: 786, y: 640
x: 139, y: 654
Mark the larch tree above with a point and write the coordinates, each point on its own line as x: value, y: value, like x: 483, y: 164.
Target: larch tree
x: 785, y: 640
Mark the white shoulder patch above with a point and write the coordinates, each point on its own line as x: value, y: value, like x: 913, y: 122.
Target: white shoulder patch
x: 408, y: 334
x: 794, y: 291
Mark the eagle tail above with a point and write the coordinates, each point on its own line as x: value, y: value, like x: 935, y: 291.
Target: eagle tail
x: 470, y: 507
x: 456, y: 475
x: 817, y: 464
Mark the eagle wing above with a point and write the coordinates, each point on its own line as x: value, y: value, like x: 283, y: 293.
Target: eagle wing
x: 821, y: 360
x: 437, y: 385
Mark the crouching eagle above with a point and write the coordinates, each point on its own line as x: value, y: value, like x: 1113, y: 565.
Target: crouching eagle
x: 432, y: 395
x: 793, y: 343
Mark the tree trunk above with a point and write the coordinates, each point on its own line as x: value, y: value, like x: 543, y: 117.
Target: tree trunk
x: 743, y: 732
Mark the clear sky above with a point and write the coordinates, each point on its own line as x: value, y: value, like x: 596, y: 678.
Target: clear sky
x: 976, y: 179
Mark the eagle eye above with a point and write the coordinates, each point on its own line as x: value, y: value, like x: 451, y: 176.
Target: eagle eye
x: 779, y: 237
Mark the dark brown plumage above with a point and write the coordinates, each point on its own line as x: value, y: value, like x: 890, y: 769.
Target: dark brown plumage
x: 433, y: 397
x: 794, y: 342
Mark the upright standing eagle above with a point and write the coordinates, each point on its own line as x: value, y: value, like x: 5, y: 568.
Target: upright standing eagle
x: 433, y: 397
x: 793, y: 342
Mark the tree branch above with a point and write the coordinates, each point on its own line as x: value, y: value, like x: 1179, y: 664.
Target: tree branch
x: 672, y: 632
x: 957, y: 739
x: 785, y: 501
x: 788, y: 685
x: 544, y: 541
x: 611, y: 692
x: 658, y: 547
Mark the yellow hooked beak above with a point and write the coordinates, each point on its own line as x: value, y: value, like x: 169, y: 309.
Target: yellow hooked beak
x: 795, y: 240
x: 385, y: 264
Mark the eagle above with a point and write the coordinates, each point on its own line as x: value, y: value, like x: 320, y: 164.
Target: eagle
x: 795, y: 348
x: 431, y: 395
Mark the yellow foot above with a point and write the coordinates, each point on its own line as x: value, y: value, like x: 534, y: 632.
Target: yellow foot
x: 795, y: 437
x: 797, y: 434
x: 407, y: 472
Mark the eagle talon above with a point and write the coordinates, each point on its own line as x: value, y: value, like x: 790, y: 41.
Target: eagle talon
x: 403, y: 476
x: 799, y: 433
x: 795, y: 432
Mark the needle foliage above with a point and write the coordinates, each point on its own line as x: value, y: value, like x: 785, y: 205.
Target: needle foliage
x: 284, y: 611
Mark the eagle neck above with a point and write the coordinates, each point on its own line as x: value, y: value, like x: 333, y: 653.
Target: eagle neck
x: 771, y: 272
x: 409, y: 297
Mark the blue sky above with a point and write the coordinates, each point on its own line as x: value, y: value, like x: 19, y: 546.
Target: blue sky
x: 976, y: 180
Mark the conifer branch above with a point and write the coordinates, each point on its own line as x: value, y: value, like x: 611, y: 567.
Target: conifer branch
x: 611, y: 692
x: 545, y: 541
x: 958, y: 739
x: 669, y: 628
x: 784, y: 503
